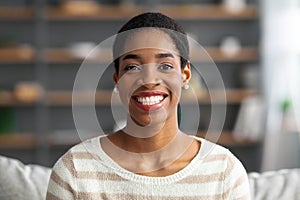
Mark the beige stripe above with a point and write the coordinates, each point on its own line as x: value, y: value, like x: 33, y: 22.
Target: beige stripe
x: 62, y: 183
x: 50, y: 196
x: 245, y: 197
x: 216, y: 157
x: 86, y: 174
x: 239, y: 181
x: 86, y: 195
x: 68, y: 162
x: 99, y: 176
x: 226, y: 194
x: 229, y: 168
x: 84, y: 155
x: 202, y: 178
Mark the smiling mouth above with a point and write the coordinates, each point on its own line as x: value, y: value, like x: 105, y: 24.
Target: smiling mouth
x: 150, y: 100
x: 147, y: 100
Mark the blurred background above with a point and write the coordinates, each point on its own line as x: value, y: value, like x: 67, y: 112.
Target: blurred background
x: 254, y: 43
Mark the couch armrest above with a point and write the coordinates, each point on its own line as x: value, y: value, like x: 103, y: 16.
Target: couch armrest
x: 19, y: 181
x: 280, y: 185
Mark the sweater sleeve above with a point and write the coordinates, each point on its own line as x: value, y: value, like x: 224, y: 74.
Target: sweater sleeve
x: 62, y: 184
x: 236, y: 182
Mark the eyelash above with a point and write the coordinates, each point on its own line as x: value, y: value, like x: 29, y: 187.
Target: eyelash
x: 132, y: 67
x: 164, y: 66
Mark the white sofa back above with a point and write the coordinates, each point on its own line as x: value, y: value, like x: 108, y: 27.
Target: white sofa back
x: 29, y: 182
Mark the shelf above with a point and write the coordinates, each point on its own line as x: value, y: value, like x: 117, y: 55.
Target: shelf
x: 17, y: 55
x: 228, y: 139
x: 246, y: 54
x: 14, y: 141
x: 180, y: 12
x: 105, y: 12
x: 19, y: 140
x: 63, y: 55
x: 64, y: 98
x: 207, y: 12
x: 16, y: 13
x: 9, y: 99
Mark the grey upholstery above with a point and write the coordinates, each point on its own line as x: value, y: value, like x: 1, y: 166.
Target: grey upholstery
x: 19, y: 181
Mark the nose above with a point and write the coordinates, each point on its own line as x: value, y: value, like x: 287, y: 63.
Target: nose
x: 149, y: 76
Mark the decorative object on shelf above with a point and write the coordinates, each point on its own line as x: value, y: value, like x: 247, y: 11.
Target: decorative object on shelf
x: 230, y: 46
x: 250, y: 76
x: 235, y: 6
x: 7, y: 41
x: 7, y: 120
x: 250, y: 119
x: 80, y: 7
x: 28, y: 92
x: 81, y: 50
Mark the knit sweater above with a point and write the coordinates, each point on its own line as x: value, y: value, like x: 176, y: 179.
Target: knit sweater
x: 87, y: 172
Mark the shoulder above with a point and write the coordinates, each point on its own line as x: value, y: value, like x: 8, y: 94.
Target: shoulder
x: 210, y: 152
x: 234, y: 176
x: 70, y: 168
x: 84, y: 151
x: 222, y: 159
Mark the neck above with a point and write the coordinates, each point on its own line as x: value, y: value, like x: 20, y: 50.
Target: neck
x: 142, y: 160
x: 135, y: 138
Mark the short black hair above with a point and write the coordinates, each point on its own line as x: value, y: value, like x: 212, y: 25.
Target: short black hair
x: 154, y: 20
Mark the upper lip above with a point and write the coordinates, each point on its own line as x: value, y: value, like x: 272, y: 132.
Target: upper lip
x: 149, y: 94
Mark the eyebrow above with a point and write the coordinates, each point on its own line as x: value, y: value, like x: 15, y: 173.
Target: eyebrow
x: 131, y: 56
x: 164, y: 55
x: 160, y: 55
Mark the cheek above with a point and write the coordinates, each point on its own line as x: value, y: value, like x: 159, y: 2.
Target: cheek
x: 126, y: 86
x: 173, y: 83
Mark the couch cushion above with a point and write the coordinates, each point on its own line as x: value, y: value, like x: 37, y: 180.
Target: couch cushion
x: 280, y: 185
x: 19, y: 181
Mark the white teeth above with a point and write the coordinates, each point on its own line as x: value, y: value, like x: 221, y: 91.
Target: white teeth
x: 150, y: 100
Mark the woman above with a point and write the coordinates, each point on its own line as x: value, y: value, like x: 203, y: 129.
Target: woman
x: 150, y: 158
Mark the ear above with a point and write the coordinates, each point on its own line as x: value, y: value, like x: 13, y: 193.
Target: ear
x: 186, y: 74
x: 116, y: 78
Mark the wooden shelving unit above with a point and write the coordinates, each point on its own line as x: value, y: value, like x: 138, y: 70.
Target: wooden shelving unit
x: 105, y: 12
x: 246, y: 54
x: 207, y: 12
x: 63, y: 55
x: 181, y: 12
x: 17, y: 54
x: 17, y: 141
x: 16, y: 13
x: 53, y: 58
x: 64, y: 98
x: 8, y: 99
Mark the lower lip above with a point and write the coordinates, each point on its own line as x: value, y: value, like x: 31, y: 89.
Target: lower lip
x: 150, y: 107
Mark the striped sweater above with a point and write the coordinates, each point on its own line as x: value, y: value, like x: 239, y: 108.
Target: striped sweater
x: 87, y: 172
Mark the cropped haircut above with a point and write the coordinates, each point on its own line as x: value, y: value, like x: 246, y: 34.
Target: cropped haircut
x: 153, y: 20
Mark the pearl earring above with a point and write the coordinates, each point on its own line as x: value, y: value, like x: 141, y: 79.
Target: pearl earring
x: 115, y: 90
x: 187, y: 86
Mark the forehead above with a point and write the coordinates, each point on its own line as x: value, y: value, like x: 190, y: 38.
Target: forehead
x: 149, y: 38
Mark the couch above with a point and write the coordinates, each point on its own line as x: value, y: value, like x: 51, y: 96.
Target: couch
x: 29, y: 182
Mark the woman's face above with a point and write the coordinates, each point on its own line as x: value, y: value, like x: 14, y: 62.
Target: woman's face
x: 150, y: 77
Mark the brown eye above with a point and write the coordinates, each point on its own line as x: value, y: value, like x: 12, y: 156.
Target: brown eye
x: 132, y: 68
x: 165, y: 66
